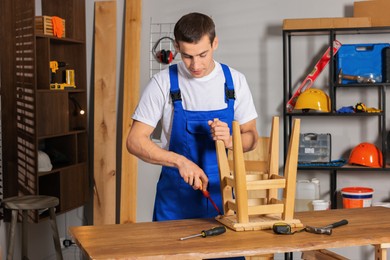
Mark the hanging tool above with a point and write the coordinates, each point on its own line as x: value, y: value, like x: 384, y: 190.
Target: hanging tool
x: 215, y: 231
x: 327, y: 229
x: 309, y: 80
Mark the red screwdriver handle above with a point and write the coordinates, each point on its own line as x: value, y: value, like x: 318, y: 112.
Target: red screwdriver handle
x: 207, y: 195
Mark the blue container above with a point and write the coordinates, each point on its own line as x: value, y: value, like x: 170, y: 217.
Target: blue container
x: 361, y: 60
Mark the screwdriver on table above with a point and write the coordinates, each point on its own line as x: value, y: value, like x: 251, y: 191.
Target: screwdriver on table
x: 208, y: 233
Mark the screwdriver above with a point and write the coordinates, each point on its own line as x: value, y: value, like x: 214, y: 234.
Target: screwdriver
x: 207, y: 195
x: 207, y: 233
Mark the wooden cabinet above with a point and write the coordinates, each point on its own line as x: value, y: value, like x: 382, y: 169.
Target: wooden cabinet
x: 40, y: 118
x: 337, y: 93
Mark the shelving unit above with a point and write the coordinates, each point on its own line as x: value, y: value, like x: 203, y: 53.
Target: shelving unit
x: 330, y: 34
x: 45, y: 119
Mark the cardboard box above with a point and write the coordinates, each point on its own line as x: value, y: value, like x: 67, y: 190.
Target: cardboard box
x: 326, y: 23
x: 377, y: 10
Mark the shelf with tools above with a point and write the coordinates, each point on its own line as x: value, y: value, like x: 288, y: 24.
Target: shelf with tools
x: 334, y: 119
x: 49, y: 88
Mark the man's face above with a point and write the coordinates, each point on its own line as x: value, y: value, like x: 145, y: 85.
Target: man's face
x: 198, y: 57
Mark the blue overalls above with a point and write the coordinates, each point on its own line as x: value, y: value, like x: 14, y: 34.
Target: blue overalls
x: 191, y: 137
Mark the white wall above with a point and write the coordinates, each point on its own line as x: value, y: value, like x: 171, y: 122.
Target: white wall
x: 250, y: 33
x: 250, y: 40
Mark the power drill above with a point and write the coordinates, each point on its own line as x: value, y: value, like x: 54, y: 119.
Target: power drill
x: 54, y: 67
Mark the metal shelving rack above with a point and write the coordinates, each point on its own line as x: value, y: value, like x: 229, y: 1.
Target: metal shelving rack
x: 332, y: 34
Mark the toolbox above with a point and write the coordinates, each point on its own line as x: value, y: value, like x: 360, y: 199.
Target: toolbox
x: 386, y: 65
x: 363, y: 60
x: 314, y: 148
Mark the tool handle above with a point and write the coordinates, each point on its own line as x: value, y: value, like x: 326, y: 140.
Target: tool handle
x: 337, y: 224
x: 206, y: 193
x: 214, y: 231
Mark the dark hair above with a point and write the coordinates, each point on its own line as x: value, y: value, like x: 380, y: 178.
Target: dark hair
x: 193, y: 26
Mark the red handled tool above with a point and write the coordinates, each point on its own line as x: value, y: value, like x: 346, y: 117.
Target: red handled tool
x: 207, y: 195
x: 309, y: 80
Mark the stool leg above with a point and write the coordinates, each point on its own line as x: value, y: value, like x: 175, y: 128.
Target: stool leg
x: 24, y: 234
x: 56, y: 236
x: 11, y: 236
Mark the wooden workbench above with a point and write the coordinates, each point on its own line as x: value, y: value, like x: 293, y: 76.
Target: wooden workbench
x: 160, y: 240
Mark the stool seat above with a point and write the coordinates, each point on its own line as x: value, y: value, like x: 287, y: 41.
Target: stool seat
x: 30, y: 202
x: 25, y: 203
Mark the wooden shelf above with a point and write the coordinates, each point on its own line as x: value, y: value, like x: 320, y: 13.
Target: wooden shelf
x: 334, y: 88
x: 43, y: 119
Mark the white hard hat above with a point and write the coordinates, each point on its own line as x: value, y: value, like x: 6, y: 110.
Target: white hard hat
x: 44, y: 164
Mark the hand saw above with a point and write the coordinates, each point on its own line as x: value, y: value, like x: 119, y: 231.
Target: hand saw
x: 309, y: 80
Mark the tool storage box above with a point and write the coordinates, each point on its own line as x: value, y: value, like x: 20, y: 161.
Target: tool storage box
x: 314, y: 148
x: 44, y: 25
x: 363, y: 60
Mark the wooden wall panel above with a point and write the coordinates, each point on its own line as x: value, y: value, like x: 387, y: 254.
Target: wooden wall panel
x: 104, y: 162
x: 129, y: 168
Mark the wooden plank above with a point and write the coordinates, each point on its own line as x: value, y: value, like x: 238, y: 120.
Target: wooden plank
x: 129, y: 164
x: 104, y: 162
x: 319, y: 23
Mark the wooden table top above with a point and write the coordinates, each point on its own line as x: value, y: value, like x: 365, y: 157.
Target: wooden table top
x: 160, y: 240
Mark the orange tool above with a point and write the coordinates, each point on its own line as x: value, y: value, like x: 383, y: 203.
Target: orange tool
x: 207, y: 195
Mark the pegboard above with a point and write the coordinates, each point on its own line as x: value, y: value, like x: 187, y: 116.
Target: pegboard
x: 157, y: 31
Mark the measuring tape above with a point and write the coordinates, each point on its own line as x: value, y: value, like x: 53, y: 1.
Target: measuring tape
x: 282, y: 228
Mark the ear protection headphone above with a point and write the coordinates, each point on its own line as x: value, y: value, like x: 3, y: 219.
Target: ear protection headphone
x: 164, y: 56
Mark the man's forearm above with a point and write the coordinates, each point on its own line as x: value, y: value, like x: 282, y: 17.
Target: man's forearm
x: 150, y: 152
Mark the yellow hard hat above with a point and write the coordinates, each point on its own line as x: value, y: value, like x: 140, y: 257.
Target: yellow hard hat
x: 314, y: 99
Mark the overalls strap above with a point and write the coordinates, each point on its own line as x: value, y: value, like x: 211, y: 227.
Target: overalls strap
x: 174, y: 80
x: 229, y: 87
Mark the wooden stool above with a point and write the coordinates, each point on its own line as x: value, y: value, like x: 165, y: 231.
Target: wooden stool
x: 242, y: 212
x: 25, y: 203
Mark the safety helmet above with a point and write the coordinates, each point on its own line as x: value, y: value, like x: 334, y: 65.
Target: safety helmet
x: 44, y: 163
x: 366, y: 154
x: 313, y: 98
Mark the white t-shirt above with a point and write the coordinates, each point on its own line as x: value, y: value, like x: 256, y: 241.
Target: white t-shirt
x: 198, y: 94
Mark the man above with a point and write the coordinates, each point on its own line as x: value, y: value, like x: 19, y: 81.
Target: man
x: 196, y: 100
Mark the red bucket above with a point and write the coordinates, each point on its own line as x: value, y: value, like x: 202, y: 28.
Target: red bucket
x: 357, y: 197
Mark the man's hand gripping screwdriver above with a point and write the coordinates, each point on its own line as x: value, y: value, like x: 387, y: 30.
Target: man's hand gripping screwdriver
x: 208, y: 233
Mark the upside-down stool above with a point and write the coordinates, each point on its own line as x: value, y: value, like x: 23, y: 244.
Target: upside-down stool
x: 244, y: 213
